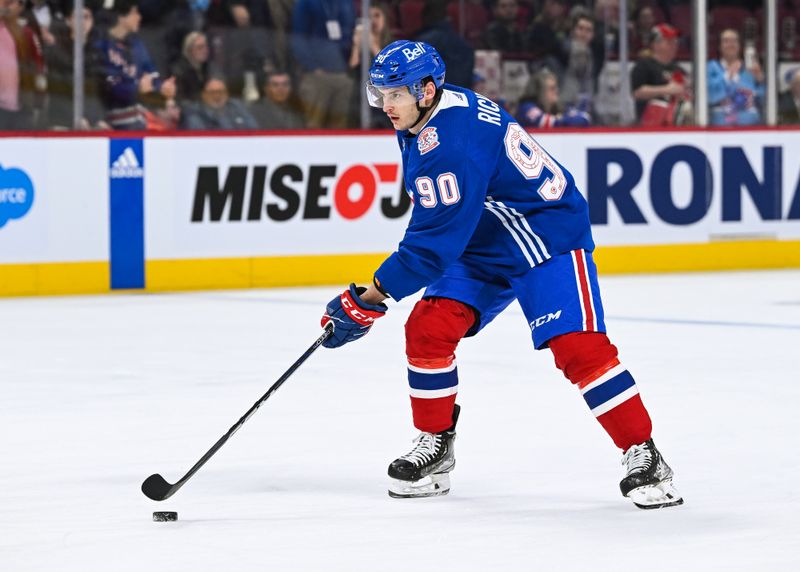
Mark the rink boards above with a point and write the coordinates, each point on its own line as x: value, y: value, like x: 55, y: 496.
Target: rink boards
x: 97, y: 214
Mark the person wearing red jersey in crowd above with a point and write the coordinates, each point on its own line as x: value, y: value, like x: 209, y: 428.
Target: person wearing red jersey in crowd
x: 660, y: 86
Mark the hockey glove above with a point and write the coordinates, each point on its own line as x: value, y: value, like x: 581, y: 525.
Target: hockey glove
x: 351, y: 316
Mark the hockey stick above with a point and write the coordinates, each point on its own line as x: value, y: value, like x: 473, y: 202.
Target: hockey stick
x: 157, y: 488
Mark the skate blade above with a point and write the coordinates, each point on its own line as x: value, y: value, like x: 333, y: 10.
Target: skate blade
x: 431, y: 486
x: 661, y: 495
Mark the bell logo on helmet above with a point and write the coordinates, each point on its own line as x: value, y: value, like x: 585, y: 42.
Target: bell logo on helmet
x: 406, y: 63
x: 413, y: 53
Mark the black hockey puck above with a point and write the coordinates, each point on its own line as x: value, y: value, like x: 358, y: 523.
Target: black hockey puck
x: 165, y: 516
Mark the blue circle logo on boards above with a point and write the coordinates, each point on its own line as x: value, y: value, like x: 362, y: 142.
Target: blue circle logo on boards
x: 16, y: 194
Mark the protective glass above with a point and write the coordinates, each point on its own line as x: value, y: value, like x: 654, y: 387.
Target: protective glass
x: 393, y: 95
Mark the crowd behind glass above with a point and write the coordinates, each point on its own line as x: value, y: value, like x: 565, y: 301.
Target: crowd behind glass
x: 296, y: 64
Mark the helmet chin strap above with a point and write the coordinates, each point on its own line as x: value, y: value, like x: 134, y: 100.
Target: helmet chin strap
x: 423, y: 110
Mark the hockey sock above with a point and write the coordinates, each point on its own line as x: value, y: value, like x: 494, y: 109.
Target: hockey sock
x: 589, y: 361
x: 433, y: 331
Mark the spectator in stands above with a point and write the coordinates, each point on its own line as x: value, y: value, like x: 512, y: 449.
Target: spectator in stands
x: 322, y: 40
x: 380, y: 36
x: 245, y: 47
x: 192, y: 69
x: 503, y: 32
x: 34, y: 31
x: 239, y: 13
x: 540, y: 106
x: 546, y: 35
x: 659, y: 85
x: 125, y: 74
x: 10, y: 116
x: 185, y: 17
x: 22, y: 80
x: 525, y: 11
x: 281, y: 13
x: 734, y: 93
x: 789, y: 101
x: 60, y: 81
x: 104, y: 18
x: 577, y: 82
x: 605, y: 44
x: 27, y: 18
x: 640, y: 29
x: 45, y: 12
x: 216, y: 111
x: 278, y: 108
x: 458, y: 55
x: 154, y: 29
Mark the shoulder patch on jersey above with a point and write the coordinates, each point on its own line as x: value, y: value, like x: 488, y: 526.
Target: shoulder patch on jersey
x: 452, y: 99
x: 427, y: 140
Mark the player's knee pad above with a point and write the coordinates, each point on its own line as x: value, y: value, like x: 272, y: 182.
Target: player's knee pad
x: 583, y: 356
x: 435, y: 327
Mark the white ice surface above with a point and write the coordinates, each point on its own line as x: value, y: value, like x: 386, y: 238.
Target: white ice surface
x: 97, y: 393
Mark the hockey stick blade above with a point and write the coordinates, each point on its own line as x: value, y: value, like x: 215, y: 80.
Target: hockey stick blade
x: 157, y: 488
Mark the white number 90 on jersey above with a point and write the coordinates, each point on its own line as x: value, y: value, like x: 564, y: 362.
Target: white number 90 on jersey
x: 445, y: 190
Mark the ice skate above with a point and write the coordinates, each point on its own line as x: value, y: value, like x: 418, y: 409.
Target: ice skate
x: 648, y: 481
x: 424, y: 471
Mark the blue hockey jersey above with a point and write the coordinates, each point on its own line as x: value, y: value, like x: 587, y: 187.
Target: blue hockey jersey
x: 484, y: 191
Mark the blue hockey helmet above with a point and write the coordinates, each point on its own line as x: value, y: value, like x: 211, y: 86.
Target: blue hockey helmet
x: 404, y: 64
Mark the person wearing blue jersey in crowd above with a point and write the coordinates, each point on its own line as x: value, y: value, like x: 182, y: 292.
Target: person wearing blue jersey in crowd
x: 540, y: 106
x: 734, y: 91
x: 125, y: 74
x: 495, y: 218
x: 322, y: 32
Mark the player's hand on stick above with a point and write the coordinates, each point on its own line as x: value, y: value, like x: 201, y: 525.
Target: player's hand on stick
x: 351, y: 316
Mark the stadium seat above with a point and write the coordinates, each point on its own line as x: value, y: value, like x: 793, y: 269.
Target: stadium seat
x: 724, y: 17
x: 524, y: 15
x: 681, y: 17
x: 788, y: 31
x: 658, y: 12
x: 410, y: 17
x: 476, y: 20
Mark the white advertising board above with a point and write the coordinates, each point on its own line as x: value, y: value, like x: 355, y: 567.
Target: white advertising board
x: 53, y: 200
x: 684, y: 186
x: 272, y: 196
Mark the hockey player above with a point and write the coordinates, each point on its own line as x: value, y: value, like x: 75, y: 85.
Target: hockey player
x: 495, y: 218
